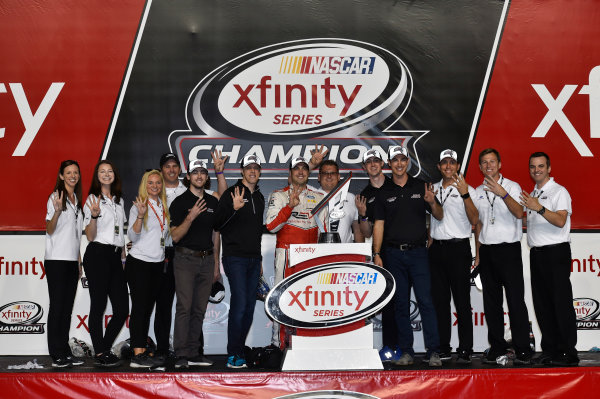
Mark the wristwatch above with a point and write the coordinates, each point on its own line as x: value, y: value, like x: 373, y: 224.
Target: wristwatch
x: 542, y: 211
x: 465, y: 195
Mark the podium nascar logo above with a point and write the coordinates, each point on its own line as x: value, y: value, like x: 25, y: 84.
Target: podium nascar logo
x: 330, y: 295
x: 21, y: 318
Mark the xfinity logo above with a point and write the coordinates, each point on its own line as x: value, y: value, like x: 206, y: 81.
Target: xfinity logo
x: 21, y: 318
x: 555, y: 111
x: 300, y: 250
x: 587, y: 311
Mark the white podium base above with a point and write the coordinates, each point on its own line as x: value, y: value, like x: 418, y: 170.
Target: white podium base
x: 347, y: 351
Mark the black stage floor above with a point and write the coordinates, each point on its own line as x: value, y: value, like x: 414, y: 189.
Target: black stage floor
x: 16, y: 364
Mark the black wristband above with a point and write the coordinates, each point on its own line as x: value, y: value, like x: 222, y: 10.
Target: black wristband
x: 363, y: 218
x: 95, y: 217
x: 542, y: 211
x: 465, y: 196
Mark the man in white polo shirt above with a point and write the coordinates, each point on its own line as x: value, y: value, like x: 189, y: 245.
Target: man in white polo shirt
x: 548, y: 236
x: 498, y: 251
x: 450, y: 257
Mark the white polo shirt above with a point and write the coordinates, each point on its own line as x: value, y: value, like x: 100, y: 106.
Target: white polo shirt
x: 455, y: 223
x: 64, y: 243
x: 499, y: 224
x: 111, y: 214
x: 553, y: 197
x: 147, y: 244
x: 172, y: 193
x: 344, y: 225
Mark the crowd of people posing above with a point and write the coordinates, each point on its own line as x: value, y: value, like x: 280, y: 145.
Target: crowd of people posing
x: 181, y: 231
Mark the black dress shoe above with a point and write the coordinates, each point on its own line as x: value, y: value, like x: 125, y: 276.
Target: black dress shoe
x: 565, y: 360
x: 544, y: 359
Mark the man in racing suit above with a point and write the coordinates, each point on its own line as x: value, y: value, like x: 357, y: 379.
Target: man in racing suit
x: 289, y: 215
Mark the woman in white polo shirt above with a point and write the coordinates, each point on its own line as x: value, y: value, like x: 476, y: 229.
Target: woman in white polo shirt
x: 103, y: 260
x: 64, y: 220
x: 144, y: 267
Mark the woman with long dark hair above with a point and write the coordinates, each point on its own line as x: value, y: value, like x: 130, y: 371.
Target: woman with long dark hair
x: 64, y: 219
x: 104, y: 259
x: 145, y: 262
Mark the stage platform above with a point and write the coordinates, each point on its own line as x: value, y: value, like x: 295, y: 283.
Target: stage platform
x: 416, y: 381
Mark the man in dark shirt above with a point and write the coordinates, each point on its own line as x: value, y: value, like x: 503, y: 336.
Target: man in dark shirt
x: 192, y: 229
x: 399, y: 244
x: 240, y: 220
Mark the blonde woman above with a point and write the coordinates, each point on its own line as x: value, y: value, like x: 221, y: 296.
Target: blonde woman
x: 148, y: 231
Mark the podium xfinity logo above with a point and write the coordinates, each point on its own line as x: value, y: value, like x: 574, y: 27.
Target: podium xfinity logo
x: 587, y: 311
x: 555, y: 111
x: 21, y: 318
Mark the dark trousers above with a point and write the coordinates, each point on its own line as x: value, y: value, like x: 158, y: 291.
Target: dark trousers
x: 501, y: 266
x: 411, y: 268
x: 243, y: 275
x: 143, y: 279
x: 62, y: 277
x: 389, y: 328
x: 450, y: 264
x: 164, y: 303
x: 106, y: 279
x: 553, y: 298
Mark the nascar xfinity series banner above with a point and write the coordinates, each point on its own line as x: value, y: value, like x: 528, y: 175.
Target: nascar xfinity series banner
x: 130, y: 80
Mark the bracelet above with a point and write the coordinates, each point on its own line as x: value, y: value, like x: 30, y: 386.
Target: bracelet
x: 465, y: 196
x: 505, y: 195
x: 363, y: 218
x: 218, y: 173
x: 95, y: 217
x: 376, y: 254
x: 140, y: 218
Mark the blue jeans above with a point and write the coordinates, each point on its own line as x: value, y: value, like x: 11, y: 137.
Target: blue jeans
x: 243, y: 275
x: 411, y: 268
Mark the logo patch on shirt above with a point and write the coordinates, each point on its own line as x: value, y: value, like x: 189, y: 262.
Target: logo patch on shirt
x: 371, y: 200
x: 415, y: 196
x: 209, y: 210
x: 454, y: 195
x: 544, y: 197
x: 245, y: 199
x: 391, y: 199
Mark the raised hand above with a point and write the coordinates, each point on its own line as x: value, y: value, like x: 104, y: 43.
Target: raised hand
x: 294, y: 194
x: 197, y: 209
x: 318, y: 154
x: 57, y: 201
x: 361, y: 204
x: 219, y: 160
x: 530, y: 202
x: 94, y: 206
x: 142, y: 206
x: 460, y: 184
x: 489, y: 184
x: 238, y: 198
x: 429, y: 196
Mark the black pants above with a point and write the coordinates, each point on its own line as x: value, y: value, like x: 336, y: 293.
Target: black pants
x: 553, y: 298
x: 62, y: 277
x: 389, y: 329
x: 106, y: 279
x: 501, y: 266
x: 164, y: 303
x: 143, y: 279
x: 450, y: 264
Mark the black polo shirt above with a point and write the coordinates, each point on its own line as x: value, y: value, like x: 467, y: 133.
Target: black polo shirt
x: 370, y: 193
x: 199, y: 236
x: 404, y: 211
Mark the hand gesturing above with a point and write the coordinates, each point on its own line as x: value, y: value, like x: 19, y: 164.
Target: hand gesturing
x: 142, y: 206
x: 94, y: 206
x: 219, y: 160
x: 238, y: 198
x: 57, y: 200
x: 429, y: 196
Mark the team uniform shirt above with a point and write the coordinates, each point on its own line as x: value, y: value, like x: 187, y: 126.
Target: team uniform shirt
x: 540, y: 232
x: 199, y: 235
x: 498, y: 224
x: 404, y: 211
x: 172, y: 193
x: 110, y: 222
x: 294, y: 226
x: 64, y: 243
x: 370, y: 193
x: 344, y: 225
x: 241, y: 230
x: 455, y: 223
x: 149, y: 243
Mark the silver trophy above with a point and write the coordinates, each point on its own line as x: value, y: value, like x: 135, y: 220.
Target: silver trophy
x: 334, y: 202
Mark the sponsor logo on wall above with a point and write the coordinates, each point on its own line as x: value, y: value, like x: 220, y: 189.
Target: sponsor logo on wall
x: 273, y: 101
x: 587, y: 311
x: 21, y: 317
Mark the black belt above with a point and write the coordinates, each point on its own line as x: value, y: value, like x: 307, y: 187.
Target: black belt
x: 405, y: 247
x: 450, y: 241
x: 113, y: 248
x: 191, y: 252
x: 542, y: 247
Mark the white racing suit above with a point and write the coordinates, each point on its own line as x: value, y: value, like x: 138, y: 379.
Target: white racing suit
x: 293, y: 226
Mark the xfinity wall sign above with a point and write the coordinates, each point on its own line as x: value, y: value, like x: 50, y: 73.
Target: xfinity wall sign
x: 273, y: 99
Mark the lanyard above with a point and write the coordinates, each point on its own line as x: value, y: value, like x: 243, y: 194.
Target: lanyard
x: 536, y: 196
x: 492, y: 217
x: 442, y: 199
x: 161, y: 223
